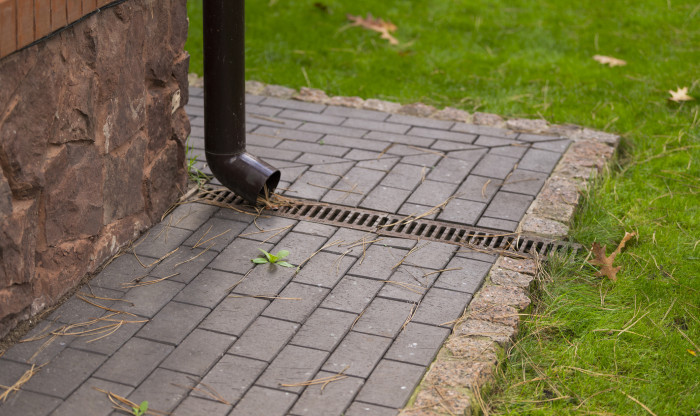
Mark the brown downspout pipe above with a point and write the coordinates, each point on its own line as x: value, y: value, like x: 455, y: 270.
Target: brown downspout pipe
x: 224, y: 103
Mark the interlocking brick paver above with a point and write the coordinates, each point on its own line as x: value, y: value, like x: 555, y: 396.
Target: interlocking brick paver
x: 38, y: 351
x: 272, y: 122
x: 279, y: 154
x: 318, y: 148
x: 300, y: 246
x: 330, y: 400
x: 356, y: 113
x: 148, y: 300
x: 384, y: 198
x: 65, y: 373
x: 558, y: 146
x: 75, y: 310
x: 431, y: 193
x: 440, y: 306
x: 231, y: 377
x: 456, y: 167
x: 432, y: 255
x: 385, y: 163
x: 324, y: 329
x: 293, y: 104
x: 495, y: 166
x: 448, y: 146
x: 264, y: 338
x: 483, y: 130
x: 237, y: 256
x: 312, y: 185
x: 249, y: 98
x: 514, y: 151
x: 335, y: 130
x: 292, y: 365
x: 208, y: 288
x: 275, y: 402
x: 404, y: 176
x: 476, y: 255
x: 524, y: 182
x: 415, y: 210
x: 233, y: 315
x: 263, y: 280
x: 490, y: 141
x: 262, y: 141
x: 190, y: 216
x: 28, y: 403
x: 377, y: 262
x: 87, y: 401
x: 529, y: 137
x: 322, y: 230
x: 121, y: 271
x: 424, y: 160
x: 335, y: 169
x: 350, y: 237
x: 358, y: 354
x: 110, y: 344
x: 296, y: 302
x: 354, y: 143
x: 409, y: 284
x: 399, y: 138
x: 508, y: 206
x: 420, y: 121
x: 283, y: 133
x: 269, y: 229
x: 361, y: 155
x: 365, y: 179
x: 252, y: 110
x: 160, y: 241
x: 173, y: 323
x: 376, y: 125
x: 478, y: 188
x: 133, y: 362
x: 418, y: 344
x: 194, y: 405
x: 391, y: 384
x: 312, y: 117
x: 442, y: 135
x: 163, y: 389
x: 539, y: 160
x: 384, y: 317
x: 462, y: 211
x: 198, y: 352
x: 186, y: 263
x: 324, y: 270
x: 497, y: 224
x: 467, y: 278
x: 365, y: 409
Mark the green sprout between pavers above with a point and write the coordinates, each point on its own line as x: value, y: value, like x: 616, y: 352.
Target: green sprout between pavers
x: 590, y: 345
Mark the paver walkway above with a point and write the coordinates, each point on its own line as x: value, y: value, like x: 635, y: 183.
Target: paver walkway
x: 203, y: 324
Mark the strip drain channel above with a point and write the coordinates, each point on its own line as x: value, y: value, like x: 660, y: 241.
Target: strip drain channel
x: 391, y: 225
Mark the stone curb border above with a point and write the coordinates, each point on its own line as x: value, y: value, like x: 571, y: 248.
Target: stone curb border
x: 467, y: 362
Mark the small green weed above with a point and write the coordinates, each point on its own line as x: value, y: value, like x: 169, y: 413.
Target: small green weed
x: 273, y: 258
x: 142, y: 409
x: 194, y: 173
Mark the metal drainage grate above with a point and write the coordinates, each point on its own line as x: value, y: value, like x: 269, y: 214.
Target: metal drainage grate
x: 391, y: 225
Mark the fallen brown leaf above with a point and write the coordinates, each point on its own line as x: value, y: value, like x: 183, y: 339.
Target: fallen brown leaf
x: 609, y: 60
x: 606, y: 263
x: 378, y: 25
x: 681, y: 94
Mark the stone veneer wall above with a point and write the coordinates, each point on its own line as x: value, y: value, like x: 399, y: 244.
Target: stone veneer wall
x: 92, y: 147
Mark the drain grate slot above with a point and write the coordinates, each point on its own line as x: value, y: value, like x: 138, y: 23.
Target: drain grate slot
x: 390, y: 225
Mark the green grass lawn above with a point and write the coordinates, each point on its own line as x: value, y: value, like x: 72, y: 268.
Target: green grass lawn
x: 532, y: 59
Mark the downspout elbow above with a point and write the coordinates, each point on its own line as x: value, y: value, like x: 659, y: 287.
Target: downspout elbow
x: 244, y: 174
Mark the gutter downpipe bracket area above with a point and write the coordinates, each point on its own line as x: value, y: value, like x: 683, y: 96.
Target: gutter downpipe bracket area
x: 224, y: 104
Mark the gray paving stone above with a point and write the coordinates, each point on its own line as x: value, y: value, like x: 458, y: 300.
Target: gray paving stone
x: 292, y: 365
x: 440, y: 306
x: 265, y: 279
x: 418, y: 344
x: 296, y: 310
x: 396, y: 242
x: 252, y: 110
x: 300, y: 246
x: 11, y: 371
x: 194, y: 110
x: 133, y: 362
x: 490, y: 141
x: 173, y: 323
x: 335, y: 130
x: 269, y: 229
x: 404, y: 176
x: 362, y: 155
x: 376, y: 125
x: 378, y: 262
x: 515, y: 150
x: 456, y: 167
x: 324, y: 270
x: 431, y: 193
x: 110, y: 344
x: 316, y: 159
x: 28, y: 403
x: 467, y: 279
x: 484, y: 130
x: 231, y: 377
x: 198, y: 352
x: 399, y: 138
x: 262, y: 141
x: 350, y: 237
x: 433, y: 255
x: 86, y: 401
x: 312, y: 185
x: 478, y: 188
x: 383, y: 317
x: 321, y: 230
x: 357, y: 354
x: 384, y: 198
x: 160, y: 240
x: 280, y: 154
x: 424, y: 160
x: 208, y: 288
x: 495, y: 166
x: 76, y: 310
x: 442, y: 134
x: 186, y: 262
x: 529, y: 137
x: 391, y: 384
x: 264, y: 339
x: 163, y: 389
x: 558, y: 146
x: 331, y: 401
x: 148, y: 300
x: 65, y: 373
x: 448, y: 146
x: 399, y: 149
x: 275, y: 402
x: 466, y: 253
x: 197, y: 92
x: 197, y: 122
x: 292, y: 173
x: 356, y: 113
x: 121, y: 271
x: 508, y: 206
x: 354, y: 143
x: 312, y: 117
x: 249, y: 98
x: 409, y: 208
x: 293, y: 104
x: 283, y: 133
x: 420, y: 121
x: 272, y: 122
x: 199, y: 101
x: 366, y: 409
x: 411, y: 286
x: 462, y: 211
x: 233, y: 315
x: 195, y: 405
x: 190, y: 216
x: 237, y: 256
x: 336, y: 169
x: 385, y: 163
x: 539, y: 160
x: 41, y: 350
x: 497, y: 224
x: 365, y: 179
x: 524, y: 182
x: 324, y: 329
x: 318, y: 148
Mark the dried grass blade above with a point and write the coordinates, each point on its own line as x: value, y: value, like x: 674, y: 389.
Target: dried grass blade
x: 20, y: 382
x: 331, y: 244
x: 104, y: 307
x: 442, y: 270
x: 150, y: 282
x: 263, y: 297
x: 193, y: 258
x: 208, y: 240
